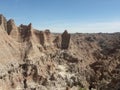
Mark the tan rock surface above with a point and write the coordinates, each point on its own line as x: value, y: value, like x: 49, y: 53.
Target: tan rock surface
x: 40, y: 60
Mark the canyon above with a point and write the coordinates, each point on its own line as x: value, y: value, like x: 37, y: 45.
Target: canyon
x: 31, y: 59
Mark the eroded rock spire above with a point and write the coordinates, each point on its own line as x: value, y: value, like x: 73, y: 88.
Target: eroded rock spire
x: 65, y: 40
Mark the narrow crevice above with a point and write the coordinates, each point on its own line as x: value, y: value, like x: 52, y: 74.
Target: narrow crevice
x: 25, y: 83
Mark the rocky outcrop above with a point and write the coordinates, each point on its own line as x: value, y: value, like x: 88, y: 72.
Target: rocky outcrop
x: 57, y: 41
x: 44, y: 37
x: 9, y: 49
x: 25, y: 32
x: 40, y: 36
x: 12, y: 29
x: 40, y: 60
x: 65, y: 40
x: 3, y: 22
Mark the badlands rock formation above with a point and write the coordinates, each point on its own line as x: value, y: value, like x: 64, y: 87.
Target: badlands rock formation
x: 40, y: 60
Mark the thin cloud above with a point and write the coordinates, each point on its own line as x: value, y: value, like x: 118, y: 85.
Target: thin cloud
x: 105, y: 27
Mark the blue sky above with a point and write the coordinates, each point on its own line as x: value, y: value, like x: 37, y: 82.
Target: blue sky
x: 57, y: 15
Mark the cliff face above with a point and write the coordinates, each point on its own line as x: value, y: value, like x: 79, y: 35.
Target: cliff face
x: 40, y: 60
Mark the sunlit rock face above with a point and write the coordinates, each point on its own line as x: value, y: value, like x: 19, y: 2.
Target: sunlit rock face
x: 31, y: 59
x: 3, y: 22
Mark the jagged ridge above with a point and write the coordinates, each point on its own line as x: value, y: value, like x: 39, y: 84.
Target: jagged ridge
x: 40, y: 60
